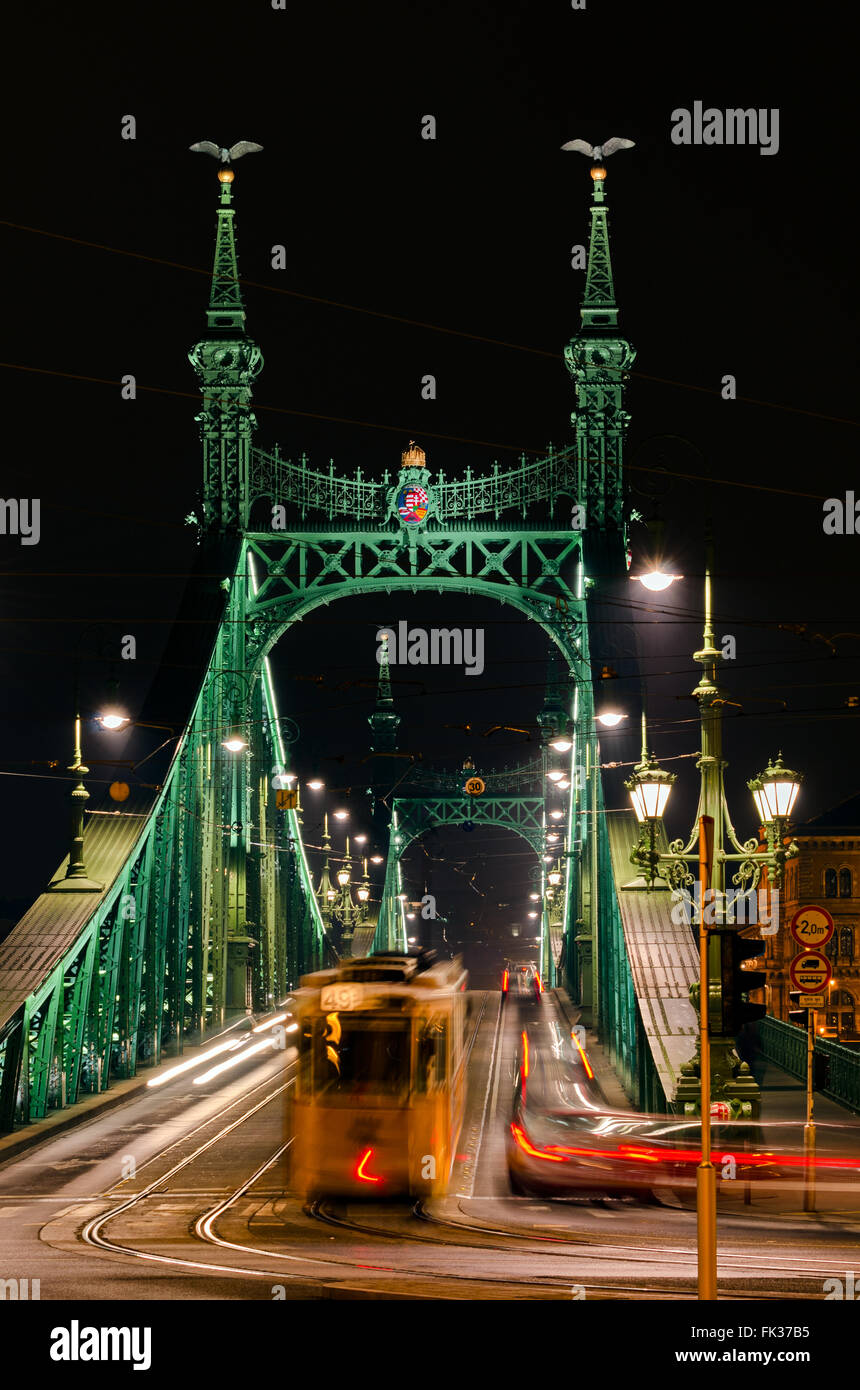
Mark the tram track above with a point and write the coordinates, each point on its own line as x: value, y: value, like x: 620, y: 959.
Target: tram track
x: 348, y: 1273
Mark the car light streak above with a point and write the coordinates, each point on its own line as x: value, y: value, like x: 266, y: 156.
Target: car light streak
x: 233, y: 1061
x: 585, y: 1062
x: 270, y: 1023
x: 198, y: 1061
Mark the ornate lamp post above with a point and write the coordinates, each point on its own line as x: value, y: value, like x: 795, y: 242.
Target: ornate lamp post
x: 76, y: 879
x: 774, y: 792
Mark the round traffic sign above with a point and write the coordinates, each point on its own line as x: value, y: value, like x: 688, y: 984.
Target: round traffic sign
x: 811, y: 926
x: 476, y: 786
x: 810, y: 972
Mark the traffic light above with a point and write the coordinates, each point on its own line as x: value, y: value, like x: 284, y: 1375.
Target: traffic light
x: 737, y: 983
x: 799, y: 1017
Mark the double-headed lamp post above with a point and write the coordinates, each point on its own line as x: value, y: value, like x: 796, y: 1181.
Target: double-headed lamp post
x: 775, y: 792
x: 721, y: 1075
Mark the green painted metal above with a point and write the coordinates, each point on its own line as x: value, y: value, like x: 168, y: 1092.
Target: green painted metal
x: 837, y: 1067
x: 213, y: 912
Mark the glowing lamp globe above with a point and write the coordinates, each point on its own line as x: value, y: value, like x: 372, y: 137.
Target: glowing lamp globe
x: 113, y: 721
x: 775, y: 791
x: 657, y: 580
x: 649, y: 789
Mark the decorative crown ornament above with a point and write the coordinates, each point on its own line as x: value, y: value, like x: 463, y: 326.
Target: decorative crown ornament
x: 410, y: 501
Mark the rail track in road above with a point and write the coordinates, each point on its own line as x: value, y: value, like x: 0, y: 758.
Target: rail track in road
x: 400, y: 1250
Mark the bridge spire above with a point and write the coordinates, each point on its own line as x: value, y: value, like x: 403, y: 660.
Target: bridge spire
x: 597, y: 358
x: 227, y: 362
x: 385, y: 721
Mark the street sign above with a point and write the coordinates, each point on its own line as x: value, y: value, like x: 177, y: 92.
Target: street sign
x: 286, y: 800
x: 810, y: 972
x: 811, y: 1001
x: 476, y: 786
x: 811, y: 927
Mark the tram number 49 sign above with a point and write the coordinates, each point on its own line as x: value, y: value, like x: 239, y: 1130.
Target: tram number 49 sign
x: 811, y: 926
x: 810, y: 972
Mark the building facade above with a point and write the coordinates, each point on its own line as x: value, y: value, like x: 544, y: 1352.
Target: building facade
x: 827, y: 872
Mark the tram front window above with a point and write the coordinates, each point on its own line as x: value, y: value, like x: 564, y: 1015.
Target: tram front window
x: 361, y: 1055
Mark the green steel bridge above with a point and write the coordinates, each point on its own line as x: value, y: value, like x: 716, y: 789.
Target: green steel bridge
x: 194, y: 903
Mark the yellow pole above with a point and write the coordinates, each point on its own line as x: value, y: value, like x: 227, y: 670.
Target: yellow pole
x: 809, y: 1127
x: 706, y: 1177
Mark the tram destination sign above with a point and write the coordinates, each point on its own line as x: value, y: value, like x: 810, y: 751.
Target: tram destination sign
x: 812, y: 927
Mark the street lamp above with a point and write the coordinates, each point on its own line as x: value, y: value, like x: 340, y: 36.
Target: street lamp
x: 76, y: 879
x: 775, y: 791
x: 561, y: 745
x: 656, y: 580
x: 234, y: 744
x: 650, y: 785
x: 610, y: 718
x: 113, y: 721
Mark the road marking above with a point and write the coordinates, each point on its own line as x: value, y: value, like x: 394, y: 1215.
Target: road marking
x: 490, y: 1078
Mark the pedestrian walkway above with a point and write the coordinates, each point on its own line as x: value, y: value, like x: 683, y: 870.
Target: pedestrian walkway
x: 784, y: 1098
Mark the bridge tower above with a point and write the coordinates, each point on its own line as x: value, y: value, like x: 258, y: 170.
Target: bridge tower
x: 598, y: 357
x: 227, y: 361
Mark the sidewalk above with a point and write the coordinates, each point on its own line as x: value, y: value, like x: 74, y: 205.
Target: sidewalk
x: 784, y: 1097
x: 92, y: 1107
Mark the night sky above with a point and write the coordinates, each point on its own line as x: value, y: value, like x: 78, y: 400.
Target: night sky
x: 725, y: 261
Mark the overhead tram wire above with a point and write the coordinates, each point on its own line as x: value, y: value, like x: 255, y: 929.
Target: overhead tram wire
x: 198, y: 398
x: 412, y: 323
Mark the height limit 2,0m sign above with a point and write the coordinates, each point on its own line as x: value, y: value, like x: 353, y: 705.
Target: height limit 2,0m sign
x: 812, y: 927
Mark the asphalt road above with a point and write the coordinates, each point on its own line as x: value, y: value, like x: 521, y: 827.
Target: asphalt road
x: 179, y: 1194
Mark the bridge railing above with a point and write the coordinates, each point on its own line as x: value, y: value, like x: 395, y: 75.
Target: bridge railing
x: 837, y: 1068
x: 284, y: 482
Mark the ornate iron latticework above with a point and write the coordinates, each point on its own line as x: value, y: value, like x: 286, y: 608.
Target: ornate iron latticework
x: 212, y: 910
x: 597, y: 359
x: 227, y: 362
x: 303, y: 490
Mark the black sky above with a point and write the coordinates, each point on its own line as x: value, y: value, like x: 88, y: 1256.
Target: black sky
x: 725, y: 262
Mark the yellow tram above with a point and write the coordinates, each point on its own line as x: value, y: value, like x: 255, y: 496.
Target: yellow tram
x: 380, y: 1088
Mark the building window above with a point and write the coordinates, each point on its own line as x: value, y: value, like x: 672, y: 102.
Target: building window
x: 845, y: 883
x: 830, y: 948
x: 830, y: 883
x: 846, y: 945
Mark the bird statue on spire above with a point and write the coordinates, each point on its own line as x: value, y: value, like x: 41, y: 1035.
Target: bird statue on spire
x: 598, y: 152
x: 224, y: 155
